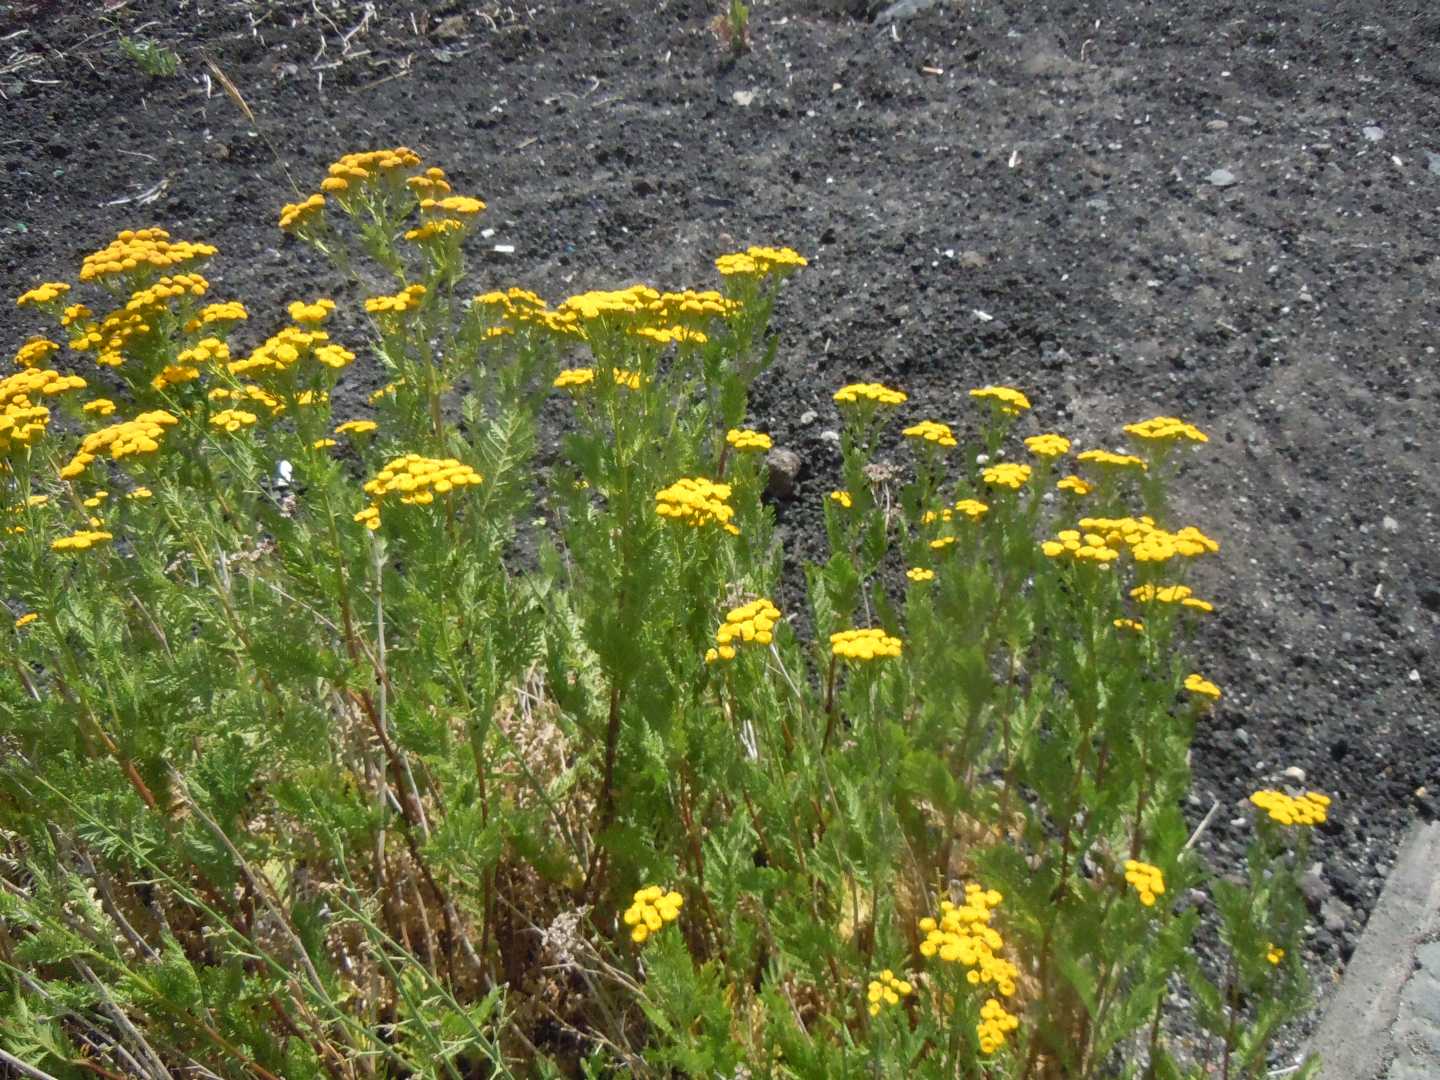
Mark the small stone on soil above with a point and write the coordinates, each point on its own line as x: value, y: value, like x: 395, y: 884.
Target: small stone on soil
x: 1221, y: 178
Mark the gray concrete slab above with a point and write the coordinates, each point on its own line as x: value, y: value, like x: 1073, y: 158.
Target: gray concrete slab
x: 1383, y: 1022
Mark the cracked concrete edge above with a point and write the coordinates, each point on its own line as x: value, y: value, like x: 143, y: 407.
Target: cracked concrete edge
x: 1356, y: 1038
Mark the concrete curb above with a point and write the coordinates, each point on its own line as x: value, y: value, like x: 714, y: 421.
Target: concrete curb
x: 1383, y: 1022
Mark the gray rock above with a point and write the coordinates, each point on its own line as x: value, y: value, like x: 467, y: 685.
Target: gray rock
x: 784, y: 468
x: 903, y: 9
x: 1315, y: 888
x: 1433, y: 161
x: 809, y: 416
x: 1221, y: 178
x: 830, y: 436
x: 1374, y: 133
x: 1294, y: 773
x: 449, y: 29
x: 1218, y: 125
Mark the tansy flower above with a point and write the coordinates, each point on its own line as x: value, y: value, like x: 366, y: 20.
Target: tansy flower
x: 697, y: 501
x: 388, y: 390
x: 323, y: 444
x: 863, y: 645
x: 1134, y: 625
x: 995, y: 1023
x: 973, y: 509
x: 760, y: 262
x: 232, y: 420
x: 932, y: 432
x: 752, y: 622
x: 1165, y: 429
x: 1106, y: 460
x: 872, y: 393
x: 1274, y: 953
x: 1308, y: 809
x: 1047, y: 446
x: 1007, y: 474
x: 1075, y: 485
x: 652, y: 909
x: 1005, y: 400
x: 35, y: 351
x: 888, y: 989
x: 140, y: 493
x: 963, y: 934
x: 82, y: 540
x: 42, y: 294
x: 1170, y: 594
x: 295, y: 216
x: 99, y: 407
x: 920, y: 573
x: 356, y: 427
x: 26, y: 619
x: 312, y: 313
x: 1204, y: 687
x: 744, y: 440
x: 842, y: 498
x: 1147, y: 880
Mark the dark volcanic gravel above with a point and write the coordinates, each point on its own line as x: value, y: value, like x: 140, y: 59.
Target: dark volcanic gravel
x: 1224, y: 211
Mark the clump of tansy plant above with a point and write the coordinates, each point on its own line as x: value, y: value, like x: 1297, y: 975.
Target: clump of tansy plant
x: 652, y: 908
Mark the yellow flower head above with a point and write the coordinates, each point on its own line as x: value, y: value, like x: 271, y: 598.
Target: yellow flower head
x: 1047, y: 446
x: 1202, y: 686
x: 357, y: 427
x: 752, y: 623
x: 297, y: 216
x: 46, y: 293
x: 129, y: 438
x: 1274, y: 954
x: 864, y: 645
x: 869, y: 393
x: 842, y: 499
x: 83, y: 540
x: 232, y: 420
x: 1147, y: 881
x: 653, y: 907
x: 887, y: 990
x: 744, y: 440
x: 697, y: 502
x: 1005, y: 400
x: 26, y: 619
x: 919, y: 573
x: 1104, y: 459
x: 973, y: 509
x: 35, y: 352
x: 963, y: 934
x: 931, y: 431
x: 141, y: 251
x: 760, y: 262
x: 1165, y: 429
x: 1075, y: 485
x: 995, y: 1023
x: 1170, y: 594
x: 312, y: 313
x: 1007, y: 474
x: 1310, y: 808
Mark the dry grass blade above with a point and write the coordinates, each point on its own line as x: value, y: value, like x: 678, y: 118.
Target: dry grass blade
x: 233, y: 93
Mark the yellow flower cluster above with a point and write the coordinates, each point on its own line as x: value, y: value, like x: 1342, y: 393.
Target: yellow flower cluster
x: 430, y: 184
x: 100, y: 406
x: 1165, y: 429
x: 81, y: 540
x: 1133, y: 625
x: 294, y: 216
x: 1007, y: 474
x: 416, y: 480
x: 35, y: 351
x: 22, y: 421
x: 356, y: 427
x: 1197, y: 684
x: 753, y: 622
x: 653, y: 907
x: 919, y: 574
x: 388, y: 390
x: 141, y: 250
x: 125, y: 439
x: 1047, y: 446
x: 75, y: 313
x: 109, y: 337
x: 251, y: 394
x: 226, y: 311
x: 1309, y: 809
x: 1170, y: 594
x: 761, y: 262
x: 698, y: 502
x: 1004, y: 399
x: 45, y: 293
x: 173, y: 375
x: 579, y: 378
x: 744, y: 440
x: 1106, y: 460
x: 963, y: 935
x: 232, y: 420
x: 1083, y: 547
x: 932, y: 432
x: 460, y: 206
x: 864, y: 645
x: 869, y: 393
x: 1274, y: 953
x: 210, y: 350
x: 396, y: 303
x: 284, y: 349
x: 26, y: 619
x: 842, y: 499
x: 888, y: 989
x: 311, y: 313
x: 995, y: 1023
x: 1147, y: 881
x: 167, y: 289
x: 434, y: 229
x: 1075, y: 485
x: 666, y: 335
x: 355, y: 171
